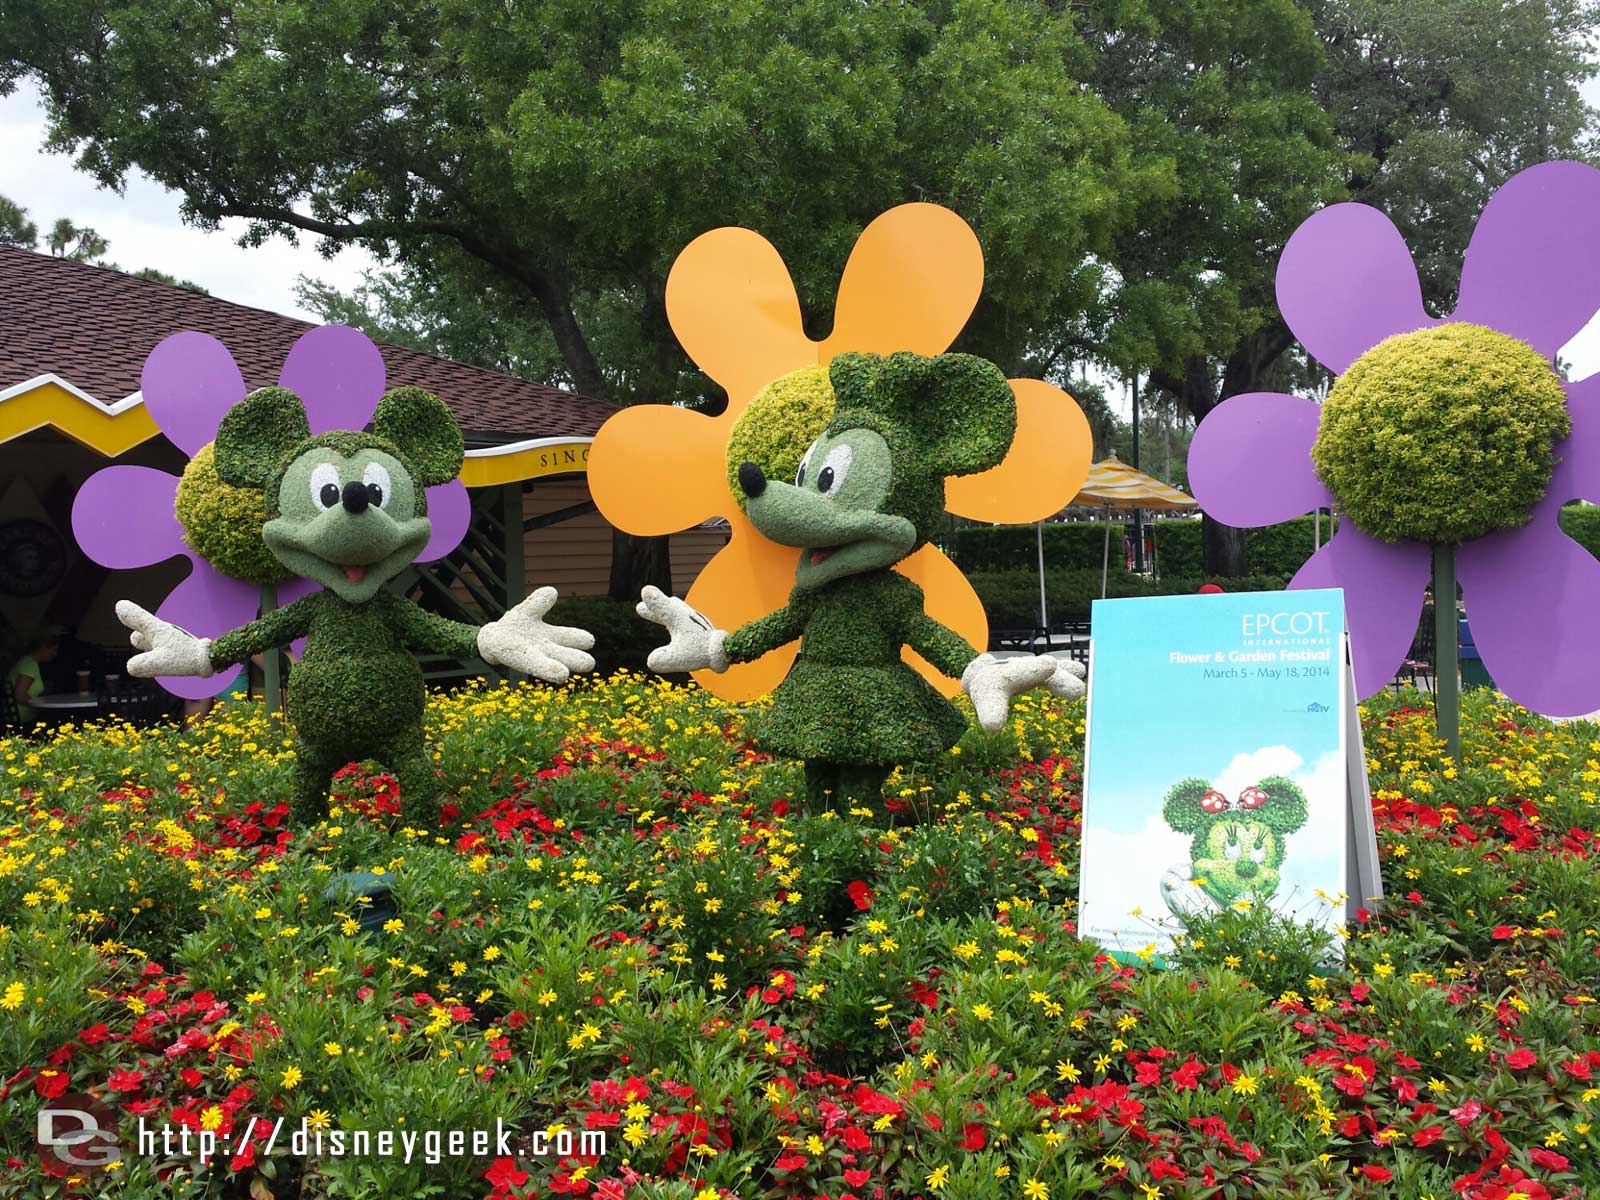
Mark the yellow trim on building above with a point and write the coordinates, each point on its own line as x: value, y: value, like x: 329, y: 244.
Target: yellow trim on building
x: 50, y: 402
x: 523, y: 460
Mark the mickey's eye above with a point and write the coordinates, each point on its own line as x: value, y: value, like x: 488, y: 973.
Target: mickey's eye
x: 376, y: 477
x: 834, y: 469
x: 325, y: 491
x: 1259, y: 854
x: 800, y: 475
x: 1231, y: 851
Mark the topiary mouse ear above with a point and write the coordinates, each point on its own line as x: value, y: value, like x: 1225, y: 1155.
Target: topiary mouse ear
x: 256, y: 434
x: 1285, y: 808
x: 960, y: 407
x: 421, y: 428
x: 1183, y: 809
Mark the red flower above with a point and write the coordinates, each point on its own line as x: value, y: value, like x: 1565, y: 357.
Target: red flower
x: 125, y: 1081
x: 504, y: 1174
x: 1376, y: 1173
x: 1521, y: 1060
x: 1548, y: 1159
x: 855, y: 1178
x: 1187, y: 1077
x: 50, y: 1084
x: 974, y: 1137
x: 860, y: 895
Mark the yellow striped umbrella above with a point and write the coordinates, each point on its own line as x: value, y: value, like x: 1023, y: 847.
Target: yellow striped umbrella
x: 1115, y: 485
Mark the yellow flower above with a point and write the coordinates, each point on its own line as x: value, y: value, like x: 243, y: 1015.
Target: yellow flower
x: 291, y: 1078
x: 490, y: 953
x: 15, y: 994
x: 938, y: 1177
x: 332, y: 1049
x: 1035, y: 1190
x: 1244, y: 1085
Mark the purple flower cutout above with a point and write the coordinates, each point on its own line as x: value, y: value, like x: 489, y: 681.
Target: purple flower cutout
x: 1345, y: 282
x: 123, y: 515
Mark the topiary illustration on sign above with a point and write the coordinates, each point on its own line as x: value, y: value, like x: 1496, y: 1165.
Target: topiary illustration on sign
x: 1239, y: 845
x: 867, y: 492
x: 349, y: 511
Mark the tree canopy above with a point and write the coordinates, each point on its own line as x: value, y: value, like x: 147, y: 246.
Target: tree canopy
x: 1132, y: 167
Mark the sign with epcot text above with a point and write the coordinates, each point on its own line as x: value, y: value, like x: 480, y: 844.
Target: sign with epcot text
x: 1224, y: 767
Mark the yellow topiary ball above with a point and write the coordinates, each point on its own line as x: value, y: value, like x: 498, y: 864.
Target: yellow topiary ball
x: 222, y: 523
x: 1442, y: 435
x: 779, y: 426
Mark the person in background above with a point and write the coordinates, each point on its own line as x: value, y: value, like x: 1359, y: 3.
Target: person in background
x: 24, y: 678
x: 239, y: 689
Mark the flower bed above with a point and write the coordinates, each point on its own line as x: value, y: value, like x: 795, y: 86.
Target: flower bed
x: 625, y: 927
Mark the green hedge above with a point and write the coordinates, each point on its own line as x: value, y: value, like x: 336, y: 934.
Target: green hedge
x: 1011, y: 597
x: 1270, y: 550
x: 997, y: 547
x: 1582, y: 524
x: 623, y: 639
x: 1281, y: 549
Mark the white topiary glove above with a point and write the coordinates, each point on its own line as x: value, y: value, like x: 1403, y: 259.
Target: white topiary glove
x: 991, y: 682
x: 167, y: 649
x: 694, y: 644
x: 1067, y: 682
x: 522, y: 641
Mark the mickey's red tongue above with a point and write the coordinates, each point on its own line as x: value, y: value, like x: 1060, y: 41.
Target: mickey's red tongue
x: 355, y: 574
x: 818, y: 556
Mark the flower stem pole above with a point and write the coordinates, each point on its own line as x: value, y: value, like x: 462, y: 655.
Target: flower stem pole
x: 272, y: 688
x: 1446, y: 678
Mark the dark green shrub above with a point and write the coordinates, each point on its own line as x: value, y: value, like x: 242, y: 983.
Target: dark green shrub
x: 996, y: 547
x: 1011, y: 598
x: 1581, y: 523
x: 622, y: 638
x: 1270, y: 550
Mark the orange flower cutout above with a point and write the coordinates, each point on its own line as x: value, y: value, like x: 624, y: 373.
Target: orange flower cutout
x: 911, y: 283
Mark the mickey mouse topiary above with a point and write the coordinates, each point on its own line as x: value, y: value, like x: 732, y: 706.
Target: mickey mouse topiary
x: 348, y: 510
x: 1442, y: 435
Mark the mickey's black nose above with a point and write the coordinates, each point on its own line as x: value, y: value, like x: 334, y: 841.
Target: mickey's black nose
x: 355, y: 497
x: 751, y: 479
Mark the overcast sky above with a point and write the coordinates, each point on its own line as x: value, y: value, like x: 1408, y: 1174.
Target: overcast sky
x: 145, y: 230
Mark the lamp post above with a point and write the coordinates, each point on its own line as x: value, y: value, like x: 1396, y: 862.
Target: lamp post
x: 1138, y: 513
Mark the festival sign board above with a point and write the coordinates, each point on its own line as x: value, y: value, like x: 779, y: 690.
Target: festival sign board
x: 1224, y: 766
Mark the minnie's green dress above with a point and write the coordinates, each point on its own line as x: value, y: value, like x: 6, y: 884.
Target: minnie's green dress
x: 850, y: 706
